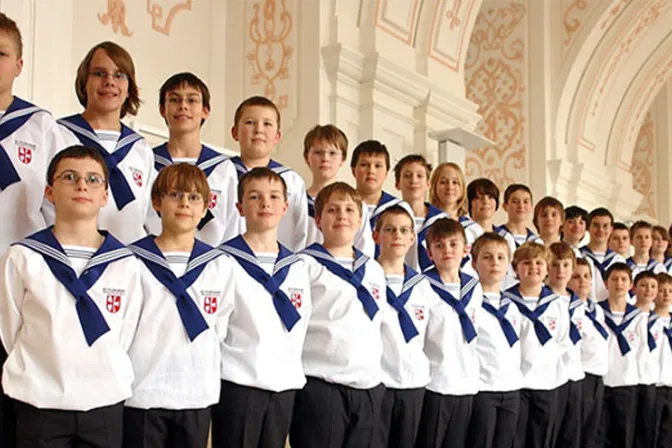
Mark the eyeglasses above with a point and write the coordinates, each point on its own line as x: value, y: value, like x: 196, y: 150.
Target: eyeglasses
x: 178, y: 196
x: 93, y: 180
x: 330, y: 153
x: 102, y: 74
x: 402, y: 230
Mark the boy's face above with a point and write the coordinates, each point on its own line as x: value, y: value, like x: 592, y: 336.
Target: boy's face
x: 339, y: 221
x: 483, y: 207
x: 396, y: 235
x: 600, y: 229
x: 106, y: 94
x: 70, y: 193
x: 257, y: 131
x: 519, y: 206
x: 642, y: 240
x: 580, y: 281
x: 532, y: 271
x: 619, y: 283
x: 413, y: 182
x: 181, y: 211
x: 449, y: 189
x: 447, y: 253
x: 492, y: 262
x: 620, y: 241
x: 263, y: 205
x: 659, y: 244
x: 10, y: 63
x: 560, y: 272
x: 324, y: 160
x: 370, y: 173
x: 664, y: 297
x: 574, y: 228
x: 183, y: 109
x: 550, y: 221
x: 646, y: 290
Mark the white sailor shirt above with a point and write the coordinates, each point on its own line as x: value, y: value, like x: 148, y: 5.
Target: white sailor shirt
x: 665, y: 377
x: 600, y: 263
x: 594, y: 337
x: 624, y: 368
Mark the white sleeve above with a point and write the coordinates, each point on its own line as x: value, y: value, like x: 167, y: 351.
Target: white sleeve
x: 563, y: 327
x: 299, y: 210
x: 12, y: 290
x: 135, y: 301
x: 224, y: 311
x: 364, y: 238
x: 643, y: 352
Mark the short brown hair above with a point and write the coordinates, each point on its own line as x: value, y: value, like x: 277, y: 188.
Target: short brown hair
x: 530, y: 251
x: 543, y: 204
x: 562, y: 251
x: 260, y: 173
x: 516, y: 187
x: 77, y: 152
x: 664, y: 279
x: 445, y: 228
x: 370, y: 148
x: 586, y: 263
x: 638, y: 226
x: 184, y: 79
x: 488, y: 238
x: 434, y: 184
x: 327, y: 134
x: 340, y: 190
x: 123, y: 60
x: 644, y: 275
x: 619, y: 266
x: 395, y: 210
x: 183, y: 177
x: 256, y: 100
x: 10, y: 27
x: 407, y: 160
x: 482, y: 187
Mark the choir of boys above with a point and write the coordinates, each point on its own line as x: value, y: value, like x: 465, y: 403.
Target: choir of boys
x: 240, y: 304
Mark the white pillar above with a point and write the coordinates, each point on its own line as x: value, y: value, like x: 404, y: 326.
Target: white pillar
x: 455, y: 142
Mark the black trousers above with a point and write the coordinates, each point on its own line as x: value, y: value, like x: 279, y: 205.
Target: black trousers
x: 536, y: 419
x: 445, y: 421
x: 663, y: 417
x: 53, y: 428
x: 619, y: 417
x: 166, y: 428
x: 7, y: 413
x: 493, y: 419
x: 247, y: 417
x: 645, y: 424
x: 592, y: 402
x: 399, y: 418
x: 328, y: 415
x: 569, y: 416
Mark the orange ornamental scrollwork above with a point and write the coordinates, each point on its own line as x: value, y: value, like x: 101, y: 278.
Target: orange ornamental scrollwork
x: 454, y: 15
x: 495, y: 68
x: 572, y: 20
x: 269, y: 58
x: 116, y: 15
x: 642, y: 168
x: 162, y: 15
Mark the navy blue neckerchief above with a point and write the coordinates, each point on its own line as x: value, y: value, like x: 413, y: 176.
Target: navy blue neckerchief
x: 574, y: 303
x: 650, y: 265
x: 411, y: 279
x: 667, y: 263
x: 17, y: 114
x: 354, y: 277
x: 121, y: 190
x: 243, y: 254
x: 433, y: 214
x: 503, y: 230
x: 602, y: 267
x: 467, y: 285
x: 311, y: 205
x: 591, y: 313
x: 90, y: 318
x: 546, y: 297
x: 631, y: 312
x: 500, y: 315
x: 201, y: 254
x: 242, y: 169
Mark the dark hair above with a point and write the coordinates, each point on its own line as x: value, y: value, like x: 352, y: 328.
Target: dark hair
x: 327, y: 134
x: 407, y: 160
x: 10, y: 27
x: 395, y: 210
x: 644, y: 275
x: 621, y: 226
x: 640, y: 225
x: 184, y: 79
x: 619, y: 266
x: 260, y: 173
x: 371, y: 148
x: 600, y: 212
x: 76, y: 152
x: 664, y: 279
x: 544, y: 203
x: 482, y: 186
x: 444, y: 228
x: 516, y: 187
x: 255, y: 101
x: 574, y: 211
x: 586, y: 263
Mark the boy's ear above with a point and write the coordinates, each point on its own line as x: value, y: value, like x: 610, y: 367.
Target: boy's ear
x: 396, y: 185
x: 49, y: 193
x: 234, y: 132
x: 376, y: 237
x: 156, y: 205
x: 318, y: 222
x: 162, y: 111
x: 239, y: 207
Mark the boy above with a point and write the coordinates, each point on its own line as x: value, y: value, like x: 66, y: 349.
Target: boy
x: 627, y: 336
x: 256, y: 128
x: 646, y: 290
x: 619, y: 241
x: 404, y: 364
x: 71, y: 299
x: 174, y: 387
x: 184, y: 104
x: 663, y: 422
x: 325, y: 149
x: 574, y: 227
x: 495, y: 408
x: 549, y: 214
x: 483, y: 199
x: 341, y: 402
x: 517, y: 205
x: 411, y: 177
x: 641, y: 234
x: 261, y: 366
x: 450, y: 343
x: 544, y: 328
x: 563, y: 262
x: 600, y: 222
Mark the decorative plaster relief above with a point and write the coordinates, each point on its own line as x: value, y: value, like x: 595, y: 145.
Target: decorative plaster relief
x: 399, y: 18
x: 448, y: 31
x: 496, y: 80
x: 574, y: 16
x: 643, y: 172
x: 163, y: 12
x: 116, y: 15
